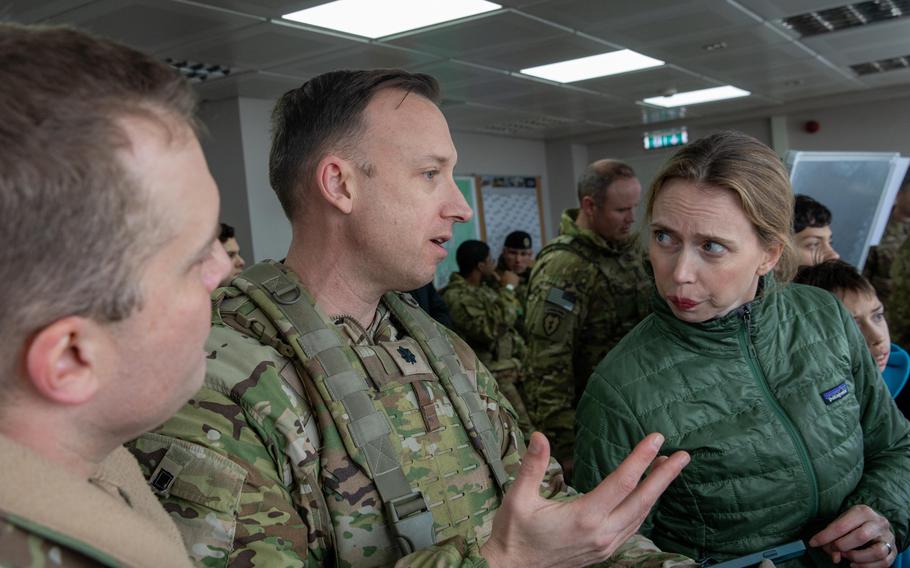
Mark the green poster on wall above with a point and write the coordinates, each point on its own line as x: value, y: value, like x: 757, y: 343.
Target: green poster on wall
x: 460, y: 232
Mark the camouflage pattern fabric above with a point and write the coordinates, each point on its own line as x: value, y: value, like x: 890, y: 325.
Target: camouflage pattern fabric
x: 486, y: 317
x: 881, y: 257
x: 585, y: 295
x: 270, y: 482
x: 899, y: 302
x: 21, y: 548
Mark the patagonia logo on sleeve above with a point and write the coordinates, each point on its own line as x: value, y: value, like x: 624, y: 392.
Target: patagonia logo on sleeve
x: 835, y: 394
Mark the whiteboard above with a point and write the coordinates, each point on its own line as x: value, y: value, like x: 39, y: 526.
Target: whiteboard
x: 858, y: 187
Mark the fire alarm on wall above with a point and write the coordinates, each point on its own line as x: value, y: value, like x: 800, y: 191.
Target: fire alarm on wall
x: 811, y: 126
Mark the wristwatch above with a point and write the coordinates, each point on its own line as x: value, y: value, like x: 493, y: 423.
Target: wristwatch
x: 510, y: 286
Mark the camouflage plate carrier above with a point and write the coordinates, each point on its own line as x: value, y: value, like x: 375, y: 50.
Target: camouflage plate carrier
x: 364, y: 452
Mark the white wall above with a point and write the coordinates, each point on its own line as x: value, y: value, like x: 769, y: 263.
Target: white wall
x: 882, y: 126
x: 272, y: 229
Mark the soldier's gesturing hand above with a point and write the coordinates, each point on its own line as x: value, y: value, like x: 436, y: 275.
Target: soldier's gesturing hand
x: 531, y: 531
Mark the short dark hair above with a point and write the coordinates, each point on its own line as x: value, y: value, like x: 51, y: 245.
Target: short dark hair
x: 323, y: 115
x: 227, y: 232
x: 469, y: 254
x: 74, y: 221
x: 808, y: 212
x: 835, y: 276
x: 599, y: 176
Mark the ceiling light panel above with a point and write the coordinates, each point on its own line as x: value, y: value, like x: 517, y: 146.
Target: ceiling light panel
x: 601, y: 65
x: 847, y: 16
x: 698, y: 97
x: 372, y: 19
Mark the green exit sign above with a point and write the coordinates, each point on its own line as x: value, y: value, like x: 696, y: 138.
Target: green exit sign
x: 665, y: 138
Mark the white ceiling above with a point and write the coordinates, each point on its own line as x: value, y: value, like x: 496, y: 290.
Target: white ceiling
x: 477, y: 59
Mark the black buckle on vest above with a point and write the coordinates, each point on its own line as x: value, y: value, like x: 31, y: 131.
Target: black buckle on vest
x: 411, y: 521
x: 287, y: 288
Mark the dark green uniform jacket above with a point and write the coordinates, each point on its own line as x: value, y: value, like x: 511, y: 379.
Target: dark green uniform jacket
x: 782, y: 409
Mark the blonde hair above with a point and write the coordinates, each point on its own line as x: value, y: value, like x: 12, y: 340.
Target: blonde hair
x: 737, y: 162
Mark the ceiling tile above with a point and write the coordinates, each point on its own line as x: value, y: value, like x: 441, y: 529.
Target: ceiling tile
x: 501, y: 30
x: 30, y: 12
x: 261, y: 46
x: 862, y: 44
x: 251, y: 84
x: 647, y: 83
x: 151, y: 26
x: 359, y: 56
x: 531, y: 53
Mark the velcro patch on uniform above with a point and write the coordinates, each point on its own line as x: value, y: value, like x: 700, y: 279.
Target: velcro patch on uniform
x: 551, y: 321
x: 833, y: 395
x: 561, y: 298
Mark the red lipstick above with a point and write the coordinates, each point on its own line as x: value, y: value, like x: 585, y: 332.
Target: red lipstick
x: 684, y: 304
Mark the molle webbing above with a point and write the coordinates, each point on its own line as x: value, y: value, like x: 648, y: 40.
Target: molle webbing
x: 463, y: 394
x: 322, y: 354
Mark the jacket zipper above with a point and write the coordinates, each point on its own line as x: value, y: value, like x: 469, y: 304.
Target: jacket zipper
x: 798, y: 443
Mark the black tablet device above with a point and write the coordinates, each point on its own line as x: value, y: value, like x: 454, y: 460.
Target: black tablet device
x: 777, y: 555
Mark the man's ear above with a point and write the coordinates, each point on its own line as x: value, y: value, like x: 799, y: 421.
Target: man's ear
x: 335, y: 178
x: 587, y: 206
x: 62, y: 359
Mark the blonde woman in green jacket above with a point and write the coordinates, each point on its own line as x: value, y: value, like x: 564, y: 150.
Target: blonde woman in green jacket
x: 768, y: 386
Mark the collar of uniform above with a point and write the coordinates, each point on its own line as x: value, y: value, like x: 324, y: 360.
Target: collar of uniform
x: 61, y: 507
x: 380, y: 330
x: 568, y: 225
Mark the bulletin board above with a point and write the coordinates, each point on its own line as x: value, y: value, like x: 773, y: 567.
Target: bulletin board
x: 858, y: 187
x: 510, y: 203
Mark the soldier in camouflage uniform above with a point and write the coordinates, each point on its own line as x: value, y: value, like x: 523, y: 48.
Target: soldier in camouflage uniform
x: 108, y: 218
x: 486, y: 317
x: 881, y: 256
x: 517, y: 257
x: 589, y: 287
x: 338, y: 424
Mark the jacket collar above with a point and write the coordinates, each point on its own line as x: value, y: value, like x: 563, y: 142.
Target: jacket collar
x: 568, y: 226
x: 720, y: 336
x: 129, y: 529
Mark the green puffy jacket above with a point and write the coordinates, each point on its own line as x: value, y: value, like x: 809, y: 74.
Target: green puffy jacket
x: 782, y: 409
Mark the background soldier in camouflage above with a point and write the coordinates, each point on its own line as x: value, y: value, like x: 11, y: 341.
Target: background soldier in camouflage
x: 486, y: 317
x: 517, y: 257
x: 588, y: 289
x: 108, y: 219
x: 327, y: 395
x: 881, y: 257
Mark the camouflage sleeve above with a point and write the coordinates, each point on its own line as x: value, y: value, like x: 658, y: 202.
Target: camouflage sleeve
x: 899, y: 302
x: 479, y: 318
x: 557, y: 307
x: 236, y: 460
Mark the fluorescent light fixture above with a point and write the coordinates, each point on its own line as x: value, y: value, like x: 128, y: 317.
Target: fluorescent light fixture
x: 697, y: 97
x: 592, y: 66
x: 375, y: 18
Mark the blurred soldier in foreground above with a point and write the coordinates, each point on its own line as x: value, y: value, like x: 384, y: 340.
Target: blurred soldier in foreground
x: 485, y: 317
x: 588, y: 289
x: 339, y: 424
x: 109, y: 219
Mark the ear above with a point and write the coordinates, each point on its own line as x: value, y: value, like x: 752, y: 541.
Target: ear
x: 772, y: 256
x: 336, y: 182
x: 587, y: 205
x: 61, y: 360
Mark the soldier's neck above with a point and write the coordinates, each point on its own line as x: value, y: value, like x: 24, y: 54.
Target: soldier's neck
x: 80, y: 455
x: 337, y: 291
x: 474, y: 278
